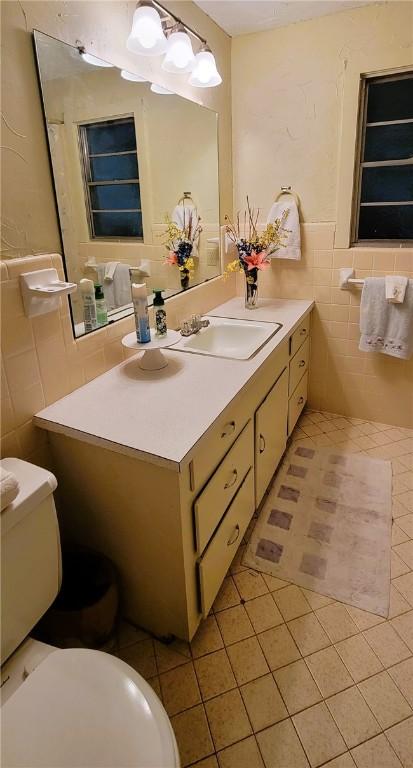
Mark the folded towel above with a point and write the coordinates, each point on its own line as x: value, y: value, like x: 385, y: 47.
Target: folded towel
x: 386, y: 328
x: 9, y: 487
x: 292, y: 247
x: 110, y: 269
x: 396, y: 288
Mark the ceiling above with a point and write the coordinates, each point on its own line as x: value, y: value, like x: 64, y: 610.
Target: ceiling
x: 239, y: 17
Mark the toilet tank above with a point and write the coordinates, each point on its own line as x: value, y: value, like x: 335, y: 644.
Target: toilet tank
x: 30, y: 554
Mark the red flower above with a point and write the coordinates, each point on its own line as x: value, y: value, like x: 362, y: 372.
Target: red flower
x: 171, y: 258
x: 257, y: 260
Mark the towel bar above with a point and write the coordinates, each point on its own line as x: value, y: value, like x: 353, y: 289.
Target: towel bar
x: 347, y: 279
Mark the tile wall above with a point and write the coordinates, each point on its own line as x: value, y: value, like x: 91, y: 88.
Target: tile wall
x: 343, y: 379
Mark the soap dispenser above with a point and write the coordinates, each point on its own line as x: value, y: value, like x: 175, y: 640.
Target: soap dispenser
x: 160, y: 314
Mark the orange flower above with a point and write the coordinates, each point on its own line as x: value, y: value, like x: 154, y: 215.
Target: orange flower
x: 257, y: 260
x: 171, y: 258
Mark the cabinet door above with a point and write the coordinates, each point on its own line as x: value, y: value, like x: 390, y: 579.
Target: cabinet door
x: 270, y: 434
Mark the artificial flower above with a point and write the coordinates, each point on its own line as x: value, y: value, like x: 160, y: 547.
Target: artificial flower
x: 171, y: 258
x: 257, y: 260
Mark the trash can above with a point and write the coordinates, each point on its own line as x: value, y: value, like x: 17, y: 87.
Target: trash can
x: 85, y: 611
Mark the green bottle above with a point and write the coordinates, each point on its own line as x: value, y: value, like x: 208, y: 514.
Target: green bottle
x: 160, y: 314
x: 101, y: 306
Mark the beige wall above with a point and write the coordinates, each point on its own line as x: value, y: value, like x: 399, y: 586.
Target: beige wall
x: 28, y: 211
x: 294, y: 118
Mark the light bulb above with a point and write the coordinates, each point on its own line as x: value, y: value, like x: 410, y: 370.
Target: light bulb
x: 147, y: 36
x: 89, y: 59
x: 155, y: 88
x: 179, y: 54
x: 132, y: 77
x: 205, y: 73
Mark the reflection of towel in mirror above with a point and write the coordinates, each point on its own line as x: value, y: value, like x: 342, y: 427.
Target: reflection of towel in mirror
x: 182, y: 215
x: 117, y: 291
x: 386, y: 327
x: 292, y: 242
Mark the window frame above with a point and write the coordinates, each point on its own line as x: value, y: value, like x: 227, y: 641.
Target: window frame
x: 359, y: 164
x: 85, y: 156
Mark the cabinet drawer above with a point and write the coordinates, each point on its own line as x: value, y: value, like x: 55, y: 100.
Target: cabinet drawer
x: 222, y: 487
x: 297, y: 402
x: 221, y: 550
x: 299, y: 335
x: 299, y: 365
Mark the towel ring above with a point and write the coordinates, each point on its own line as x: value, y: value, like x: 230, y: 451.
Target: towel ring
x: 186, y: 196
x: 288, y: 191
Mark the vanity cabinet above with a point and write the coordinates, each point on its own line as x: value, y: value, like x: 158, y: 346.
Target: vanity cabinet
x: 173, y: 529
x: 270, y: 434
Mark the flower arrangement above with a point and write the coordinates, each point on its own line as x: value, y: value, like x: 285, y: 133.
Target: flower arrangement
x: 180, y: 242
x: 254, y: 248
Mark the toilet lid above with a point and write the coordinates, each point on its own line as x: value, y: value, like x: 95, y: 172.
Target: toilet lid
x: 85, y: 709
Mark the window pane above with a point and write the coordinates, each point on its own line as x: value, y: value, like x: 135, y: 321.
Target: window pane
x: 115, y: 136
x: 388, y: 142
x: 118, y: 224
x: 390, y: 100
x: 115, y: 196
x: 386, y: 184
x: 386, y: 222
x: 114, y: 168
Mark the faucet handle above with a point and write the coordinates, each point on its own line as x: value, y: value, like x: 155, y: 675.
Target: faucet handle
x: 186, y: 327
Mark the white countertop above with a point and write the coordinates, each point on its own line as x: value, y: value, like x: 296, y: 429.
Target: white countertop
x: 159, y: 416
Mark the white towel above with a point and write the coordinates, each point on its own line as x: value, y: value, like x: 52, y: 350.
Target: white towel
x: 9, y: 487
x: 386, y: 328
x: 292, y: 247
x: 110, y: 269
x: 183, y: 214
x: 396, y: 288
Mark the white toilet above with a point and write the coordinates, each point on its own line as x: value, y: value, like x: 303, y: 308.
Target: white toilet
x: 72, y: 708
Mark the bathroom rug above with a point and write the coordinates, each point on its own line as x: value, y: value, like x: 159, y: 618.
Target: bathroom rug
x: 326, y: 525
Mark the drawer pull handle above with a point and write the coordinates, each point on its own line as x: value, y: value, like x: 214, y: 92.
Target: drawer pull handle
x: 301, y: 364
x: 262, y: 443
x: 228, y: 429
x: 234, y: 479
x: 303, y: 331
x: 233, y: 539
x: 300, y: 401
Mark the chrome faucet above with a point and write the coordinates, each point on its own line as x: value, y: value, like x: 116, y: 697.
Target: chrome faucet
x: 193, y: 325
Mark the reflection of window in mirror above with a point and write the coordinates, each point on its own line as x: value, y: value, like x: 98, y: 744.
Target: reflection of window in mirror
x: 111, y: 179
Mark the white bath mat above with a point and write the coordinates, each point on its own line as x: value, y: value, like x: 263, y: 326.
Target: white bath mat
x: 326, y: 526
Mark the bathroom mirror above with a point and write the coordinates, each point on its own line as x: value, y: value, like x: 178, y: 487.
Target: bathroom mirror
x: 128, y: 157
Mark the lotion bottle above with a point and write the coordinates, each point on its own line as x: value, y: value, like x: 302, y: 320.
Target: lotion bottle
x: 140, y: 306
x: 160, y: 314
x: 87, y: 290
x: 101, y: 307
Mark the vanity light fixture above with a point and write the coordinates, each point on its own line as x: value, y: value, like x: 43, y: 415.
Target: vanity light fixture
x: 156, y: 30
x: 179, y: 55
x: 132, y: 77
x: 161, y: 90
x: 147, y: 35
x: 90, y: 59
x: 205, y: 73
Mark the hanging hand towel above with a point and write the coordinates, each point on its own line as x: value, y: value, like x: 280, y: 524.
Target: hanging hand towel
x: 292, y: 242
x: 386, y: 328
x: 182, y: 215
x: 396, y: 288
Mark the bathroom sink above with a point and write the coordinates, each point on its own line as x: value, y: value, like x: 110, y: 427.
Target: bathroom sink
x: 224, y: 337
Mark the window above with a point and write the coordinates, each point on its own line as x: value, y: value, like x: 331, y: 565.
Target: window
x: 383, y: 199
x: 111, y: 177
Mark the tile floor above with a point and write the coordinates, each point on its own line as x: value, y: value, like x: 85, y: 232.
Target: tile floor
x: 280, y: 677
